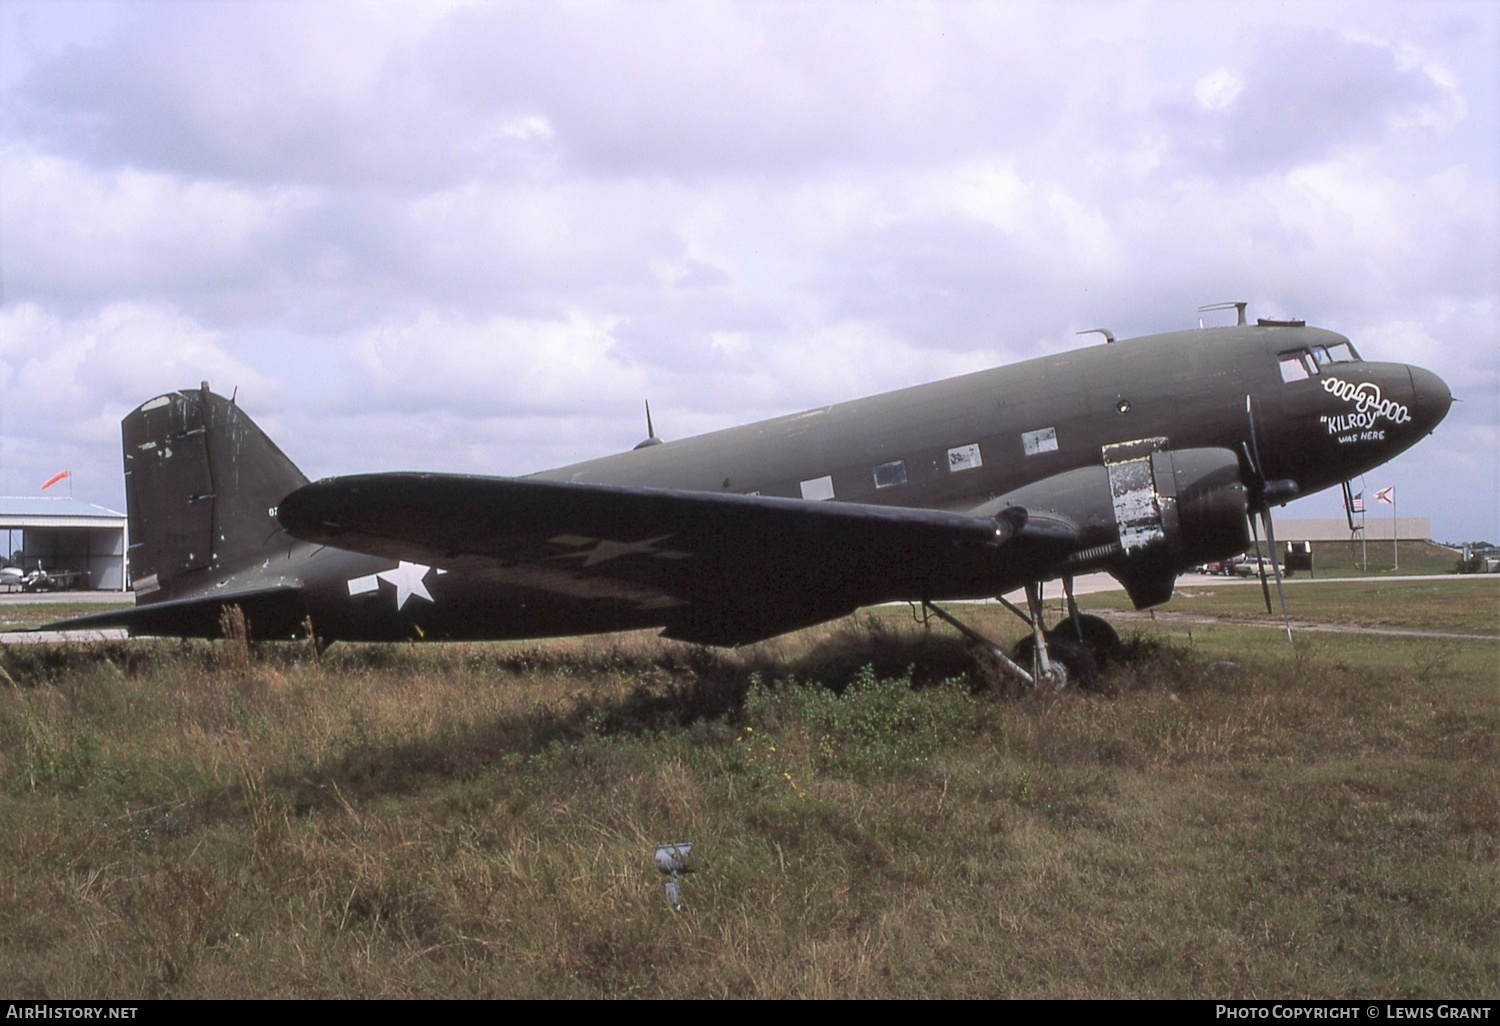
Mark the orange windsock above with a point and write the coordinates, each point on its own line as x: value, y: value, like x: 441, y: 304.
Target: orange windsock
x: 54, y: 479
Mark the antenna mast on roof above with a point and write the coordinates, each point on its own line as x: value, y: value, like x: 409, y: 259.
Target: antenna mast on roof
x: 1238, y: 308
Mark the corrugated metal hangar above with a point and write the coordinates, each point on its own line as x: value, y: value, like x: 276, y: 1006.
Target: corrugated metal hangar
x: 65, y: 536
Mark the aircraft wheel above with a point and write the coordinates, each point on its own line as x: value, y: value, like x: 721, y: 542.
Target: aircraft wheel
x: 1078, y: 663
x: 1099, y: 637
x: 1073, y: 664
x: 1024, y: 651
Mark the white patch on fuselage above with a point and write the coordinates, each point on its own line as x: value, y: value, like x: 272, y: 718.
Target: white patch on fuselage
x: 818, y: 489
x: 965, y: 457
x: 1036, y: 442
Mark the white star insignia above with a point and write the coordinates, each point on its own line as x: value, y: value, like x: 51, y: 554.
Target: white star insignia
x: 409, y: 579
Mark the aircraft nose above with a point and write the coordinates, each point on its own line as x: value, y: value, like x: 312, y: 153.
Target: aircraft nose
x: 1430, y: 397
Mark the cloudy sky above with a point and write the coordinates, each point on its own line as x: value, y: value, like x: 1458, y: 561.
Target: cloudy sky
x: 475, y: 236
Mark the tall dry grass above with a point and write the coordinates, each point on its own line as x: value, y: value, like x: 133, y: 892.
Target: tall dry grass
x: 227, y: 820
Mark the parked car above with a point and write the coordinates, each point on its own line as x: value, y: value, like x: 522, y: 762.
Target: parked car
x: 1252, y: 566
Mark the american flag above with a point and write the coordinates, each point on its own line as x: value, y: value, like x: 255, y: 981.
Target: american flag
x: 1357, y: 503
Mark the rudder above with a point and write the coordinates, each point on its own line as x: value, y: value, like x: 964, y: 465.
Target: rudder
x: 201, y: 485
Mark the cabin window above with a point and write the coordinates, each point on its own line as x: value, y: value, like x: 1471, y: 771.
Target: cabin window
x: 889, y: 475
x: 1342, y: 353
x: 1320, y: 354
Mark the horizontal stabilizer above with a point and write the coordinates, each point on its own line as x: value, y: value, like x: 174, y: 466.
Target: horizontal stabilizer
x: 273, y: 612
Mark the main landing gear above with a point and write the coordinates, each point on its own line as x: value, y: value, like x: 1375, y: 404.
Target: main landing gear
x: 1069, y: 654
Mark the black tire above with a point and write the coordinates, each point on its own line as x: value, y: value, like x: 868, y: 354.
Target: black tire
x: 1024, y: 652
x: 1099, y: 637
x: 1077, y: 661
x: 1079, y: 667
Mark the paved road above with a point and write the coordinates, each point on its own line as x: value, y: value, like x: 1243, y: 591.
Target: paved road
x: 43, y: 598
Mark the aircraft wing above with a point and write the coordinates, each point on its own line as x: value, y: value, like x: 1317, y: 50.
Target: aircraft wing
x: 720, y: 568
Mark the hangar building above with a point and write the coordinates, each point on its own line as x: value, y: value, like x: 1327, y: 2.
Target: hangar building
x: 63, y: 534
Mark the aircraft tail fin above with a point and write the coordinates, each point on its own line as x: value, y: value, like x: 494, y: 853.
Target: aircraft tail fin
x: 201, y: 487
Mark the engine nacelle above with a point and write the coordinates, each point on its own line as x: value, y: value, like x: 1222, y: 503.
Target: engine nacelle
x: 1147, y: 513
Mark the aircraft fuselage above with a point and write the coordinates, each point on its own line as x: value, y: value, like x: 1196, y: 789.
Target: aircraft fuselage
x: 1137, y: 455
x: 967, y: 440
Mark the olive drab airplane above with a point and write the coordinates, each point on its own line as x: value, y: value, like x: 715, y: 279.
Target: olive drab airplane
x: 1140, y: 457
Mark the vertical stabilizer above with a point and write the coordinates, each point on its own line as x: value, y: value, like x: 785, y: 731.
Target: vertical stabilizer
x: 201, y: 486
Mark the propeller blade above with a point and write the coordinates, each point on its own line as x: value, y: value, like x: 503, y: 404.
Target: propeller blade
x: 1263, y: 493
x: 1260, y: 566
x: 1254, y: 450
x: 1276, y: 568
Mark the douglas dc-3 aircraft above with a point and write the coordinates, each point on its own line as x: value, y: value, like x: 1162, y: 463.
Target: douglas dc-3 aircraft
x: 1141, y: 457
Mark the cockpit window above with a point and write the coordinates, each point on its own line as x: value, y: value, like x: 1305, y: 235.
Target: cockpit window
x: 1301, y: 364
x: 1296, y: 366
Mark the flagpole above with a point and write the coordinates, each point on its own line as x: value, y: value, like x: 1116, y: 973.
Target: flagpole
x: 1364, y: 536
x: 1388, y: 496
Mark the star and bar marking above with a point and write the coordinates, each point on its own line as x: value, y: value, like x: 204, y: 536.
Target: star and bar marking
x: 409, y: 579
x: 605, y: 549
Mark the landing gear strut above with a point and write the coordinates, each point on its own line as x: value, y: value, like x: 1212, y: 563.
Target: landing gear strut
x: 1068, y: 654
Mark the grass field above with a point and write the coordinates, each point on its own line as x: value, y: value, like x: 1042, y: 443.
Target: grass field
x: 1381, y: 558
x: 1227, y: 815
x: 14, y: 615
x: 1468, y: 604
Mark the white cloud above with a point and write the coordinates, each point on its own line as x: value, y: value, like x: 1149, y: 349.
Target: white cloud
x: 1218, y: 89
x: 497, y: 228
x: 55, y: 368
x: 79, y: 236
x: 520, y: 366
x: 67, y: 383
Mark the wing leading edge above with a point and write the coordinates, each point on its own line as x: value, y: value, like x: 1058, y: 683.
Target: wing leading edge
x: 715, y: 568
